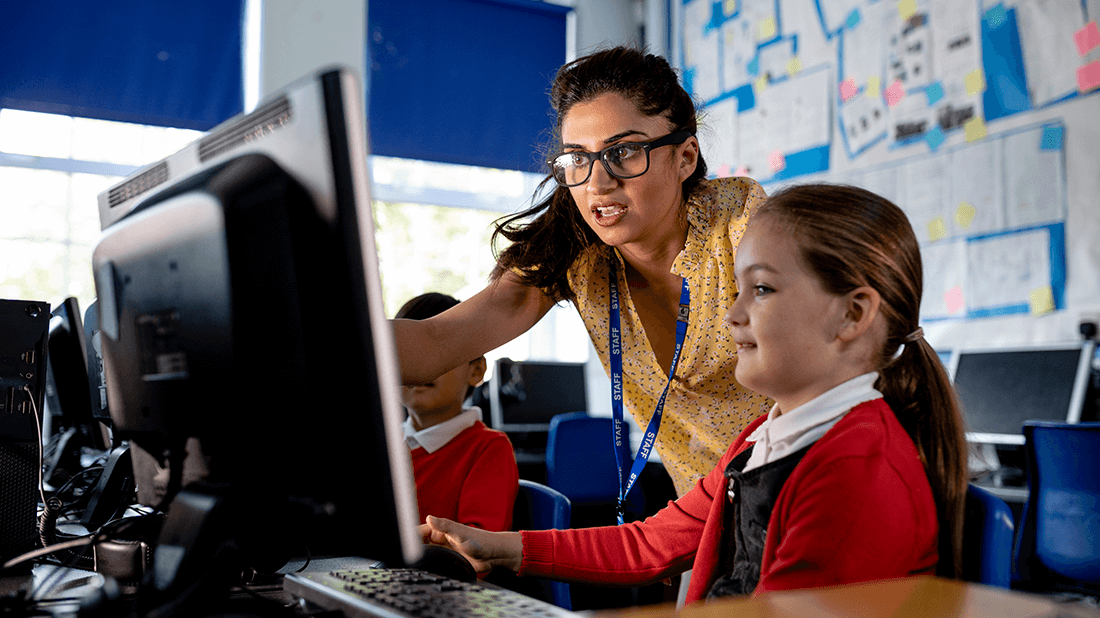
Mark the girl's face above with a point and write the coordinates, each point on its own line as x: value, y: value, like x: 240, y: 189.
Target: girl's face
x: 637, y: 209
x: 785, y: 324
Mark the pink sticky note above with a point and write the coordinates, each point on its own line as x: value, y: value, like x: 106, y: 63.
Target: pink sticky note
x: 848, y: 89
x: 777, y: 161
x: 1087, y: 38
x: 1088, y: 76
x: 954, y: 299
x: 723, y: 170
x: 741, y: 171
x: 894, y: 93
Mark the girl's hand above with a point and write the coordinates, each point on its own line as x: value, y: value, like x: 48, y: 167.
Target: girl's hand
x: 483, y: 549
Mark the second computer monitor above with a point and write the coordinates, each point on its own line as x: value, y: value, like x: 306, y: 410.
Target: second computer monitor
x: 1000, y: 389
x: 524, y: 396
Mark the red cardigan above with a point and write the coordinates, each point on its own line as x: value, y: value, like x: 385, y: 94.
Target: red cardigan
x: 473, y: 479
x: 858, y: 507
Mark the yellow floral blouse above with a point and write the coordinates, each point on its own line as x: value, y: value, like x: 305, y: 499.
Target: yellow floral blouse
x: 705, y: 408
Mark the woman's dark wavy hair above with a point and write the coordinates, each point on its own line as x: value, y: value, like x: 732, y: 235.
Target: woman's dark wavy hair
x: 849, y: 238
x: 547, y: 238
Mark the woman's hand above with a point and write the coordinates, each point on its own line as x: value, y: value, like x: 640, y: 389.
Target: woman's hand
x: 483, y: 549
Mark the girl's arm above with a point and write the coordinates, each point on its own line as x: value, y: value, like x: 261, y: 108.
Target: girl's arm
x: 494, y: 316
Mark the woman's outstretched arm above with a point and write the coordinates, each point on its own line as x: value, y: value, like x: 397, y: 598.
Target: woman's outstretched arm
x: 502, y: 311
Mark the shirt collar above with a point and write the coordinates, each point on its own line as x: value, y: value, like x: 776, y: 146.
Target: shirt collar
x: 782, y: 434
x: 437, y: 436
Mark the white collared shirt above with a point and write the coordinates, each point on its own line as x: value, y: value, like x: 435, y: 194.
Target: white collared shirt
x: 437, y: 436
x: 782, y: 434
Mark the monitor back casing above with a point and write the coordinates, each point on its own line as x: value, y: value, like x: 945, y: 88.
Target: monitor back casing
x: 240, y: 303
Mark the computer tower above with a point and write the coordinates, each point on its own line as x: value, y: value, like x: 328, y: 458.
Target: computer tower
x: 23, y: 330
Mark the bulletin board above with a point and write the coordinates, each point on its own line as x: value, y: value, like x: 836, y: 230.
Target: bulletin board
x: 977, y: 118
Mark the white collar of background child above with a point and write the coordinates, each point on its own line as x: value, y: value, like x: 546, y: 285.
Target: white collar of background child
x: 437, y: 436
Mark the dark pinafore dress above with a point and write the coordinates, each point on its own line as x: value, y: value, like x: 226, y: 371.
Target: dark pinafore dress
x: 752, y: 497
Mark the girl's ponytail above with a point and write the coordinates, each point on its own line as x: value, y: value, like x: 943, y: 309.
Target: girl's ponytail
x: 918, y: 390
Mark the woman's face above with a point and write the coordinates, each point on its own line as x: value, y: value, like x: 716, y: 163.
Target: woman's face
x: 635, y: 210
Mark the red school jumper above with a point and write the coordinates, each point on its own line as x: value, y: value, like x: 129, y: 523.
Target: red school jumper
x: 858, y: 507
x: 473, y: 479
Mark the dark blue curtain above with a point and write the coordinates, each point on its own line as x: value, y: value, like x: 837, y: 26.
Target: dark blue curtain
x: 463, y: 81
x: 172, y: 64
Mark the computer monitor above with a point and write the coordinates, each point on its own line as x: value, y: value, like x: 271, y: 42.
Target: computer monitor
x: 525, y: 396
x: 69, y: 425
x: 240, y: 304
x: 1001, y: 388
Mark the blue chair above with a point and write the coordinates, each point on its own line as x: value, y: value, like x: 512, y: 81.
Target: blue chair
x: 580, y: 461
x: 1058, y: 546
x: 987, y: 539
x: 539, y: 507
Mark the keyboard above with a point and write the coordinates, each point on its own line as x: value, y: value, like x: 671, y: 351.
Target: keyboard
x: 411, y: 593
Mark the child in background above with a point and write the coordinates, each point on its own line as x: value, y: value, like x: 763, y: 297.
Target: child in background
x: 859, y: 471
x: 464, y: 471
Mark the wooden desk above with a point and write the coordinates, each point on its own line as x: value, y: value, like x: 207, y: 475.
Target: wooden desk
x: 914, y: 597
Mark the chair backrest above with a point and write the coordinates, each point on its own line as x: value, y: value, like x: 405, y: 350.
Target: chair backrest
x: 987, y: 539
x: 539, y: 507
x: 1058, y: 547
x: 580, y: 461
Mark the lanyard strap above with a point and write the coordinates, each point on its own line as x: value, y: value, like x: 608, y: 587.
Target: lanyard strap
x: 616, y: 361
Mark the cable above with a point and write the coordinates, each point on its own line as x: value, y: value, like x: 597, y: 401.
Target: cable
x: 38, y: 424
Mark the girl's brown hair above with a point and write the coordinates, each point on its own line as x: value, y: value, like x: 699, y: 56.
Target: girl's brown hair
x: 547, y: 238
x: 849, y: 238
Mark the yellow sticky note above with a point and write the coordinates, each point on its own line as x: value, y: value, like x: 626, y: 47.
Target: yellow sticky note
x: 937, y: 229
x: 964, y: 215
x: 975, y: 82
x: 765, y: 29
x: 760, y: 84
x: 729, y: 7
x: 975, y: 129
x: 794, y: 66
x: 1042, y: 300
x: 907, y: 8
x: 874, y: 87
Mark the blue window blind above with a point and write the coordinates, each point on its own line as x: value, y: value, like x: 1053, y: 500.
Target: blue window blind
x: 158, y: 63
x: 463, y: 81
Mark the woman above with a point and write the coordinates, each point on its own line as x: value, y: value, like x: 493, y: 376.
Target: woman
x: 633, y: 208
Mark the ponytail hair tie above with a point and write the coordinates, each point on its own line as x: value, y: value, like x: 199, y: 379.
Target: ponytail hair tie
x: 915, y: 335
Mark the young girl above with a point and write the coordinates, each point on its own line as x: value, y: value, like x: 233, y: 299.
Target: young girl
x: 858, y: 471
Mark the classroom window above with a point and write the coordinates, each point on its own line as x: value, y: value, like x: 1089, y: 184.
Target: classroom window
x: 53, y: 167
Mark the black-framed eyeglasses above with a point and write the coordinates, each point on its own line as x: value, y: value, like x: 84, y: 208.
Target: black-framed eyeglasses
x: 625, y: 160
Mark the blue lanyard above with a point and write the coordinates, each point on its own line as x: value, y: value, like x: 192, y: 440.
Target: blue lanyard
x: 616, y: 361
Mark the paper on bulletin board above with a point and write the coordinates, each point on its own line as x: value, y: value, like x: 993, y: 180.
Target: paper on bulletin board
x: 863, y: 119
x: 956, y: 56
x: 922, y: 191
x: 1050, y: 56
x: 1003, y: 270
x: 738, y: 50
x: 719, y: 138
x: 945, y: 289
x: 977, y: 188
x: 1035, y: 177
x: 864, y: 45
x: 789, y: 116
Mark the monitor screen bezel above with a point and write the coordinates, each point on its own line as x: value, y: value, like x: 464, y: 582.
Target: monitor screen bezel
x: 497, y: 409
x: 1077, y: 397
